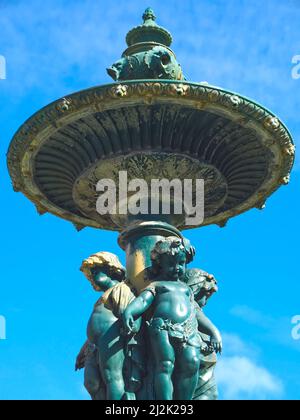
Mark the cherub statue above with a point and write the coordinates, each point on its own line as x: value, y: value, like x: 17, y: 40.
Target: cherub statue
x: 104, y: 355
x: 204, y: 286
x: 170, y: 312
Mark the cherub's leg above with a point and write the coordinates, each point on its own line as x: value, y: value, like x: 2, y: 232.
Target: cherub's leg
x: 187, y: 372
x: 92, y: 378
x: 164, y: 357
x: 136, y: 363
x: 111, y: 360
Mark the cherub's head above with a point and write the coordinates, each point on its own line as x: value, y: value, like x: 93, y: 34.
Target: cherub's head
x: 103, y: 262
x: 190, y: 250
x: 169, y: 258
x: 203, y: 285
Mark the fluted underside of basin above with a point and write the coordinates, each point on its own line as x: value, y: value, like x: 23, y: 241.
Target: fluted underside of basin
x: 248, y: 152
x: 235, y: 151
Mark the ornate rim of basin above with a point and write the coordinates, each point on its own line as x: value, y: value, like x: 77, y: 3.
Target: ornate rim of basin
x: 220, y: 104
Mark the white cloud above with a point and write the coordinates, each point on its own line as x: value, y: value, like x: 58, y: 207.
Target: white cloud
x: 275, y: 329
x: 57, y: 47
x: 241, y: 378
x: 252, y: 316
x: 234, y: 345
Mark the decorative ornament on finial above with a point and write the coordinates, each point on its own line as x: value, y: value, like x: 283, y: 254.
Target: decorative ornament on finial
x: 149, y: 14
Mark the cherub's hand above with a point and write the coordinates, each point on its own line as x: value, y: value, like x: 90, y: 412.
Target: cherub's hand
x: 216, y: 344
x: 129, y: 324
x: 205, y: 349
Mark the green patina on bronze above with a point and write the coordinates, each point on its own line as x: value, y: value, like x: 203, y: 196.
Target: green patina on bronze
x: 140, y: 345
x: 65, y: 143
x: 148, y: 55
x: 241, y: 149
x: 148, y: 337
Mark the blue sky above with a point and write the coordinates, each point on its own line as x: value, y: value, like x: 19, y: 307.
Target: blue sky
x: 56, y: 47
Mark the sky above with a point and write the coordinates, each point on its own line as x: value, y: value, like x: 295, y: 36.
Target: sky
x: 56, y: 47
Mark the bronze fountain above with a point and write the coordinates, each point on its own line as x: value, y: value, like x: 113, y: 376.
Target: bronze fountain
x: 150, y: 123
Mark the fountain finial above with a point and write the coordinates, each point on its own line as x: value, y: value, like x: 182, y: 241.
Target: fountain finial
x: 149, y: 14
x: 148, y: 55
x: 149, y: 31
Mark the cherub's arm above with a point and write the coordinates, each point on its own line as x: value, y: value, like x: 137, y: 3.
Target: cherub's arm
x: 103, y: 281
x: 136, y: 309
x: 207, y: 327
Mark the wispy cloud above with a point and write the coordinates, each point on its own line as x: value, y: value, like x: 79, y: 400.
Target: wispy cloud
x: 234, y: 345
x: 241, y: 376
x: 275, y: 329
x: 252, y: 316
x: 62, y: 43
